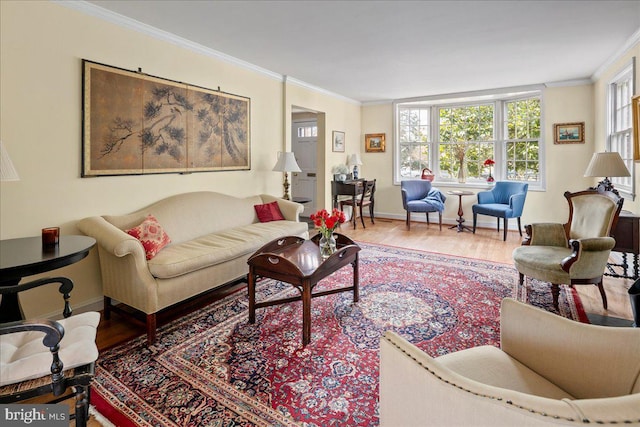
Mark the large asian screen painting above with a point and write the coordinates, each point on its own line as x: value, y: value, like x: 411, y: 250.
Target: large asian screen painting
x: 135, y: 123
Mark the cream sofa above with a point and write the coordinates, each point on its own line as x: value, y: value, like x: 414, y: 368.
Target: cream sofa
x: 212, y: 236
x: 550, y: 370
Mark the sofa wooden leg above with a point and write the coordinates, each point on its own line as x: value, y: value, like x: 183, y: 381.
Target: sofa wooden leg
x: 151, y: 328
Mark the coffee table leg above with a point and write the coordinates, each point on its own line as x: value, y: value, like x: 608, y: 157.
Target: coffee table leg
x: 306, y: 313
x: 356, y: 280
x: 251, y: 286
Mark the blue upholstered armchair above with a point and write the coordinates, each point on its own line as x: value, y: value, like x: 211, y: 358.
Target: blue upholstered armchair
x: 419, y: 196
x: 505, y: 200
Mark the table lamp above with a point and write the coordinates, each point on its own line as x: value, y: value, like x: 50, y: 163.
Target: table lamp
x: 7, y: 170
x: 286, y: 163
x: 607, y: 164
x: 354, y: 160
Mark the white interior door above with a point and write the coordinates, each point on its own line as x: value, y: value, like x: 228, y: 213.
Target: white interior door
x: 303, y: 184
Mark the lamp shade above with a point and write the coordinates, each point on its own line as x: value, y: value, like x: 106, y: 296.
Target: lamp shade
x: 286, y: 162
x: 7, y: 170
x: 354, y: 160
x: 606, y: 164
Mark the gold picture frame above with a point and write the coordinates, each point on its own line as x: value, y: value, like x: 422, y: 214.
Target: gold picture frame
x: 568, y: 133
x: 635, y: 108
x: 374, y: 142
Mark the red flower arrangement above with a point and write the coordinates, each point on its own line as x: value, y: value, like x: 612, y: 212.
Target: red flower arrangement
x: 488, y: 163
x: 328, y: 223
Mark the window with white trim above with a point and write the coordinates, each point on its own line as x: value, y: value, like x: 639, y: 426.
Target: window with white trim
x: 619, y: 127
x: 455, y: 136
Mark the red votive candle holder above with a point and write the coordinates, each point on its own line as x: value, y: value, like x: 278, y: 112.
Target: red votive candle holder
x: 50, y: 236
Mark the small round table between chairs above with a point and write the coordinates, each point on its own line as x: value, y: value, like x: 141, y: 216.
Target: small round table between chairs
x: 460, y: 193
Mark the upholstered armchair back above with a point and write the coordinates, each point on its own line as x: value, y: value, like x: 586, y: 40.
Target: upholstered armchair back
x: 414, y: 190
x: 593, y: 215
x: 503, y: 191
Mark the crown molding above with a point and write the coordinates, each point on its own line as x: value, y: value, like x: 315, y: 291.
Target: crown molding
x: 294, y: 81
x: 574, y: 82
x: 131, y: 24
x: 631, y: 41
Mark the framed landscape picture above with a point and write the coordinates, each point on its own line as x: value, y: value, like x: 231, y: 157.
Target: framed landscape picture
x: 374, y: 142
x: 568, y: 133
x: 338, y: 141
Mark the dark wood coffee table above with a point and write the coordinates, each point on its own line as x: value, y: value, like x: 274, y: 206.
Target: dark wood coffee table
x: 298, y: 261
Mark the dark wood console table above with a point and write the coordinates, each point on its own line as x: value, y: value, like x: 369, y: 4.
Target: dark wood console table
x: 627, y: 235
x: 352, y: 188
x: 25, y: 257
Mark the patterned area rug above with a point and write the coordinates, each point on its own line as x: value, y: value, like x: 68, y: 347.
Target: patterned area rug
x: 213, y: 368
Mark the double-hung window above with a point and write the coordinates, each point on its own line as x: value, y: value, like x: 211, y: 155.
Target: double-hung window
x: 455, y: 136
x: 619, y: 126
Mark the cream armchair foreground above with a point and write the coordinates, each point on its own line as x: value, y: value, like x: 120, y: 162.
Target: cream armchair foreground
x: 550, y: 370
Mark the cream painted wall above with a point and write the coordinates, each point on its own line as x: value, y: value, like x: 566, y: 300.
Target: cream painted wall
x: 42, y: 45
x: 565, y: 164
x: 600, y: 105
x: 335, y: 114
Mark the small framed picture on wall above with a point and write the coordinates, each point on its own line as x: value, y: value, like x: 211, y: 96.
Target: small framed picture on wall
x: 568, y: 133
x: 338, y: 141
x: 374, y: 142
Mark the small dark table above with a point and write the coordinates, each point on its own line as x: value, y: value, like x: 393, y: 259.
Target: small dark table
x: 460, y: 220
x: 298, y: 261
x: 627, y: 235
x: 25, y: 257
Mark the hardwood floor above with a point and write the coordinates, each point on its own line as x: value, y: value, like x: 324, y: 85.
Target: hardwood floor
x: 486, y: 244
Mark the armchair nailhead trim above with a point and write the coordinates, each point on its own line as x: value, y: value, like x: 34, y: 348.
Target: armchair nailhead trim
x: 509, y: 402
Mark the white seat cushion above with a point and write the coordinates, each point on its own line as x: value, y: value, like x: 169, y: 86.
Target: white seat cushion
x: 23, y: 356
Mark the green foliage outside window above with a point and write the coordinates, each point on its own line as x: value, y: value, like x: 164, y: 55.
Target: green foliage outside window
x: 465, y: 136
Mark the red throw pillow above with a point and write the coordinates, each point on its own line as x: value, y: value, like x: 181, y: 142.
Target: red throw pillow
x: 151, y: 235
x: 269, y: 212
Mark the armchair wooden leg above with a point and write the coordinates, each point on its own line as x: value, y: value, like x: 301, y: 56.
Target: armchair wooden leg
x: 440, y: 220
x: 602, y: 293
x: 519, y: 227
x: 82, y: 405
x: 506, y: 226
x: 408, y: 222
x: 427, y: 213
x: 107, y: 308
x: 475, y: 221
x: 555, y: 293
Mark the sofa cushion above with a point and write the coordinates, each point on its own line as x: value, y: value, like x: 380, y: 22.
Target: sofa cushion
x: 215, y: 248
x: 490, y: 365
x: 151, y: 235
x: 268, y: 212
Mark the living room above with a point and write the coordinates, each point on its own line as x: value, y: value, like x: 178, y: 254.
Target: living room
x: 42, y: 72
x: 42, y: 48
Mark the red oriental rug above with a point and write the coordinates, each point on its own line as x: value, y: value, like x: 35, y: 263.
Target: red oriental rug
x: 213, y: 368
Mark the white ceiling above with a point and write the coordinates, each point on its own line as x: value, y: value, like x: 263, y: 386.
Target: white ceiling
x: 373, y: 51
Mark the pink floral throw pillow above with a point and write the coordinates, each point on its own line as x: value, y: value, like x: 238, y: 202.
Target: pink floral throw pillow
x: 151, y: 235
x: 269, y: 212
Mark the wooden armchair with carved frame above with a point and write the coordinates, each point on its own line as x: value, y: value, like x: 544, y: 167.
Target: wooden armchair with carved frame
x: 574, y: 253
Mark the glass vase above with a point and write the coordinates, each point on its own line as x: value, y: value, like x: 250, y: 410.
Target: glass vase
x: 327, y: 245
x: 462, y: 173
